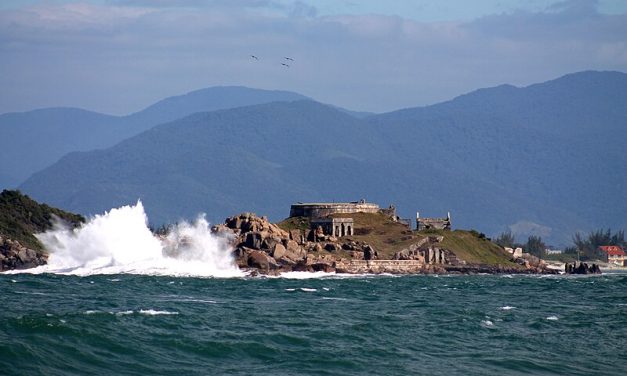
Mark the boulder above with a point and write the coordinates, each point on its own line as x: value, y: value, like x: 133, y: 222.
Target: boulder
x: 279, y: 251
x: 292, y: 246
x: 253, y: 240
x: 261, y: 261
x: 27, y: 256
x: 296, y: 235
x: 295, y: 254
x: 269, y: 242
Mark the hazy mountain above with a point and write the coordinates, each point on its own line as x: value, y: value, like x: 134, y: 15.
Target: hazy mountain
x: 247, y: 158
x: 34, y: 140
x: 549, y: 158
x: 556, y: 150
x: 209, y: 99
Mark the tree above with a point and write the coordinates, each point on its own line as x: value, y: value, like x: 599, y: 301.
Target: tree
x: 589, y: 245
x: 506, y: 239
x: 535, y: 246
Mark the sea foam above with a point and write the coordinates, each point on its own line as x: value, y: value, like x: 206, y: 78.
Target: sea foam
x: 120, y: 241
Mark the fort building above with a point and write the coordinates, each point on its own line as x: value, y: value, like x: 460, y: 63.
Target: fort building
x: 320, y: 215
x: 337, y: 227
x: 325, y: 209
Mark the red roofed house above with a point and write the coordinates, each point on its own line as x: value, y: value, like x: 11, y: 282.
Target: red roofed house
x: 613, y: 254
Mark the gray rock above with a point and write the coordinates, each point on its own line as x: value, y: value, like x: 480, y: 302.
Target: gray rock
x: 279, y: 251
x: 26, y: 255
x: 253, y: 240
x: 261, y: 261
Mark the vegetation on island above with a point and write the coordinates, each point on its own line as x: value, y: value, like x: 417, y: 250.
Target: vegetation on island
x: 388, y: 237
x: 474, y: 247
x: 21, y: 217
x: 584, y: 248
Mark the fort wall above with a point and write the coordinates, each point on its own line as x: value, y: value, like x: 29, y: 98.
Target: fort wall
x: 325, y: 209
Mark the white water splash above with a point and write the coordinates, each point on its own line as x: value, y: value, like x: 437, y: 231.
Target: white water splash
x: 152, y: 312
x: 120, y: 241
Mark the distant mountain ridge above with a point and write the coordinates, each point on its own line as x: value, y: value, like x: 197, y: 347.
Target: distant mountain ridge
x: 36, y: 139
x: 547, y: 159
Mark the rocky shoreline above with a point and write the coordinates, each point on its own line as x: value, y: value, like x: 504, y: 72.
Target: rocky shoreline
x: 263, y: 248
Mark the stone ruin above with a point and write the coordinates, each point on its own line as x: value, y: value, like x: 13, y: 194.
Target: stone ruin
x: 428, y: 252
x: 320, y: 215
x: 337, y: 227
x: 433, y: 223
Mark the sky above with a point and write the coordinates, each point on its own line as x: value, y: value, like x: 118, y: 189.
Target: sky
x: 120, y: 56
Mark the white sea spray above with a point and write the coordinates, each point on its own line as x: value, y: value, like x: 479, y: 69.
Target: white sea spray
x: 120, y: 241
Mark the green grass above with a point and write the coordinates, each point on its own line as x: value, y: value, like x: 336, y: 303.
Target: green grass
x: 377, y: 230
x: 388, y: 237
x: 473, y: 249
x: 294, y: 223
x: 21, y: 217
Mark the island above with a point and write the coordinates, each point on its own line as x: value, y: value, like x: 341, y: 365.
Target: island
x: 352, y: 237
x: 360, y: 237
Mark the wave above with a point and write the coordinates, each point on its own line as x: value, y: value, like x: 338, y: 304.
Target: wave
x: 120, y: 242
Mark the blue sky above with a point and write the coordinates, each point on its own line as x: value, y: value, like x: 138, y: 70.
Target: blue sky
x: 118, y: 56
x: 422, y: 10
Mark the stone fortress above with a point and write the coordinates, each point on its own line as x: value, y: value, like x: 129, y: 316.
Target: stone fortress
x: 326, y: 226
x: 433, y: 223
x: 323, y: 237
x: 320, y: 215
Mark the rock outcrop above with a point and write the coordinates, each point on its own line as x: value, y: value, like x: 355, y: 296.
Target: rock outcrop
x: 582, y: 268
x: 13, y: 255
x: 266, y: 248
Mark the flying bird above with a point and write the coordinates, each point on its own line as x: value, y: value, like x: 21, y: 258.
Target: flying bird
x: 285, y: 65
x: 288, y: 58
x: 254, y: 57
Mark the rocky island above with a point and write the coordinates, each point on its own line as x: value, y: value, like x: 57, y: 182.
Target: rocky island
x: 353, y: 237
x: 359, y: 237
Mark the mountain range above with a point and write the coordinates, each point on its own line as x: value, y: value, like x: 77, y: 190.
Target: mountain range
x: 36, y: 139
x: 547, y: 159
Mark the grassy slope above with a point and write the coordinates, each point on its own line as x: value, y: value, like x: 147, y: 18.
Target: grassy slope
x: 469, y: 247
x: 21, y: 217
x: 388, y: 237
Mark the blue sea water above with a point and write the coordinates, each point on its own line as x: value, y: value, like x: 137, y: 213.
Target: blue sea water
x: 381, y: 325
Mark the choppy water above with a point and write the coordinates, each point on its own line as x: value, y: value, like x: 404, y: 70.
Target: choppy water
x: 482, y: 325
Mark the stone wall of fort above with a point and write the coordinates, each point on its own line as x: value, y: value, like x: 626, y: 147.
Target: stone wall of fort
x: 322, y: 209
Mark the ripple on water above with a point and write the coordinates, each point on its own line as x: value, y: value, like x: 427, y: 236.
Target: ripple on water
x: 374, y: 325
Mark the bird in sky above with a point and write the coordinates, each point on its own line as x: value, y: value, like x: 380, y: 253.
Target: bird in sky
x: 285, y: 65
x: 254, y: 57
x: 288, y: 58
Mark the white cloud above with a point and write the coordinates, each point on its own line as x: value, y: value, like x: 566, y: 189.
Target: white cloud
x: 118, y: 58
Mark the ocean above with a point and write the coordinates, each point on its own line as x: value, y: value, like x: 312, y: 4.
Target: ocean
x: 313, y: 324
x: 116, y: 300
